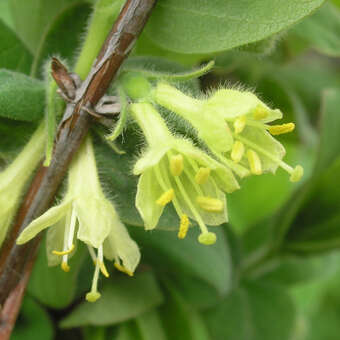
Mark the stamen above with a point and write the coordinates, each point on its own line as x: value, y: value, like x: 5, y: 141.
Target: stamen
x: 122, y: 268
x: 239, y: 124
x: 260, y: 112
x: 94, y: 295
x: 101, y: 262
x: 254, y: 162
x: 64, y: 252
x: 207, y: 238
x: 64, y: 266
x: 183, y: 227
x: 210, y: 204
x: 92, y: 254
x: 296, y: 174
x: 280, y: 129
x: 202, y: 175
x: 166, y: 197
x: 237, y: 151
x: 68, y: 242
x: 196, y: 214
x: 176, y: 165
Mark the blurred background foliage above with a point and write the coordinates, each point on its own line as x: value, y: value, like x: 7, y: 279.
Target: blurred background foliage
x: 275, y: 271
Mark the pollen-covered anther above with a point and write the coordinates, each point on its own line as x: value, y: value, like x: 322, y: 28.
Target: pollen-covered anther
x: 237, y: 151
x: 239, y: 124
x: 103, y: 269
x: 166, y: 197
x: 65, y: 267
x: 296, y: 174
x: 183, y: 227
x: 260, y: 112
x: 202, y: 175
x: 210, y: 204
x: 176, y: 165
x: 64, y: 252
x: 122, y: 269
x: 254, y: 162
x: 207, y: 238
x: 280, y: 129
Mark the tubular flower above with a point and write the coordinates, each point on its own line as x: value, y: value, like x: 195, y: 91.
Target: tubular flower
x: 173, y: 170
x: 15, y: 176
x: 234, y: 125
x: 87, y: 215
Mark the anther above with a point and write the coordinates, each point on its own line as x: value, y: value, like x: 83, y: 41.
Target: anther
x: 210, y: 204
x: 239, y: 124
x: 65, y: 267
x: 254, y: 162
x: 260, y: 112
x: 92, y: 296
x: 296, y: 174
x: 183, y: 227
x: 202, y: 175
x: 103, y: 269
x: 64, y: 252
x: 122, y: 269
x: 207, y: 238
x: 280, y: 129
x: 176, y: 165
x: 166, y: 197
x: 237, y: 151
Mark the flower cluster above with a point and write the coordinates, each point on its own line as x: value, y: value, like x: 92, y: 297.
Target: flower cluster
x: 234, y: 128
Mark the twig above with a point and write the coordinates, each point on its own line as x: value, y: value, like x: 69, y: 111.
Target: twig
x: 16, y: 261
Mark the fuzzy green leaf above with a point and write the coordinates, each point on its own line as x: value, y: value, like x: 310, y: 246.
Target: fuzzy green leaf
x: 21, y: 97
x: 13, y: 53
x: 210, y: 26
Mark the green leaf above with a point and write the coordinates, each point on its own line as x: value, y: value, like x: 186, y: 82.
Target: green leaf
x: 33, y: 323
x: 14, y: 135
x: 210, y: 26
x: 32, y: 17
x: 5, y: 14
x: 13, y: 54
x: 122, y: 299
x: 21, y: 97
x: 211, y: 264
x: 294, y: 270
x: 150, y: 326
x: 315, y: 225
x: 329, y: 148
x: 62, y: 35
x: 321, y: 30
x: 181, y: 321
x: 52, y: 286
x: 254, y: 311
x: 145, y: 47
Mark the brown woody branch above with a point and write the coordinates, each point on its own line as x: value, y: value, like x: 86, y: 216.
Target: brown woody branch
x: 16, y: 261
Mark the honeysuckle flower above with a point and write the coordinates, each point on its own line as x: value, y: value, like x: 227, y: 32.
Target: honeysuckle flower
x: 173, y: 170
x: 14, y: 177
x: 85, y: 214
x: 234, y: 125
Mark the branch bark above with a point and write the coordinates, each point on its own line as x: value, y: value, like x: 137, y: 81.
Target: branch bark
x: 16, y: 261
